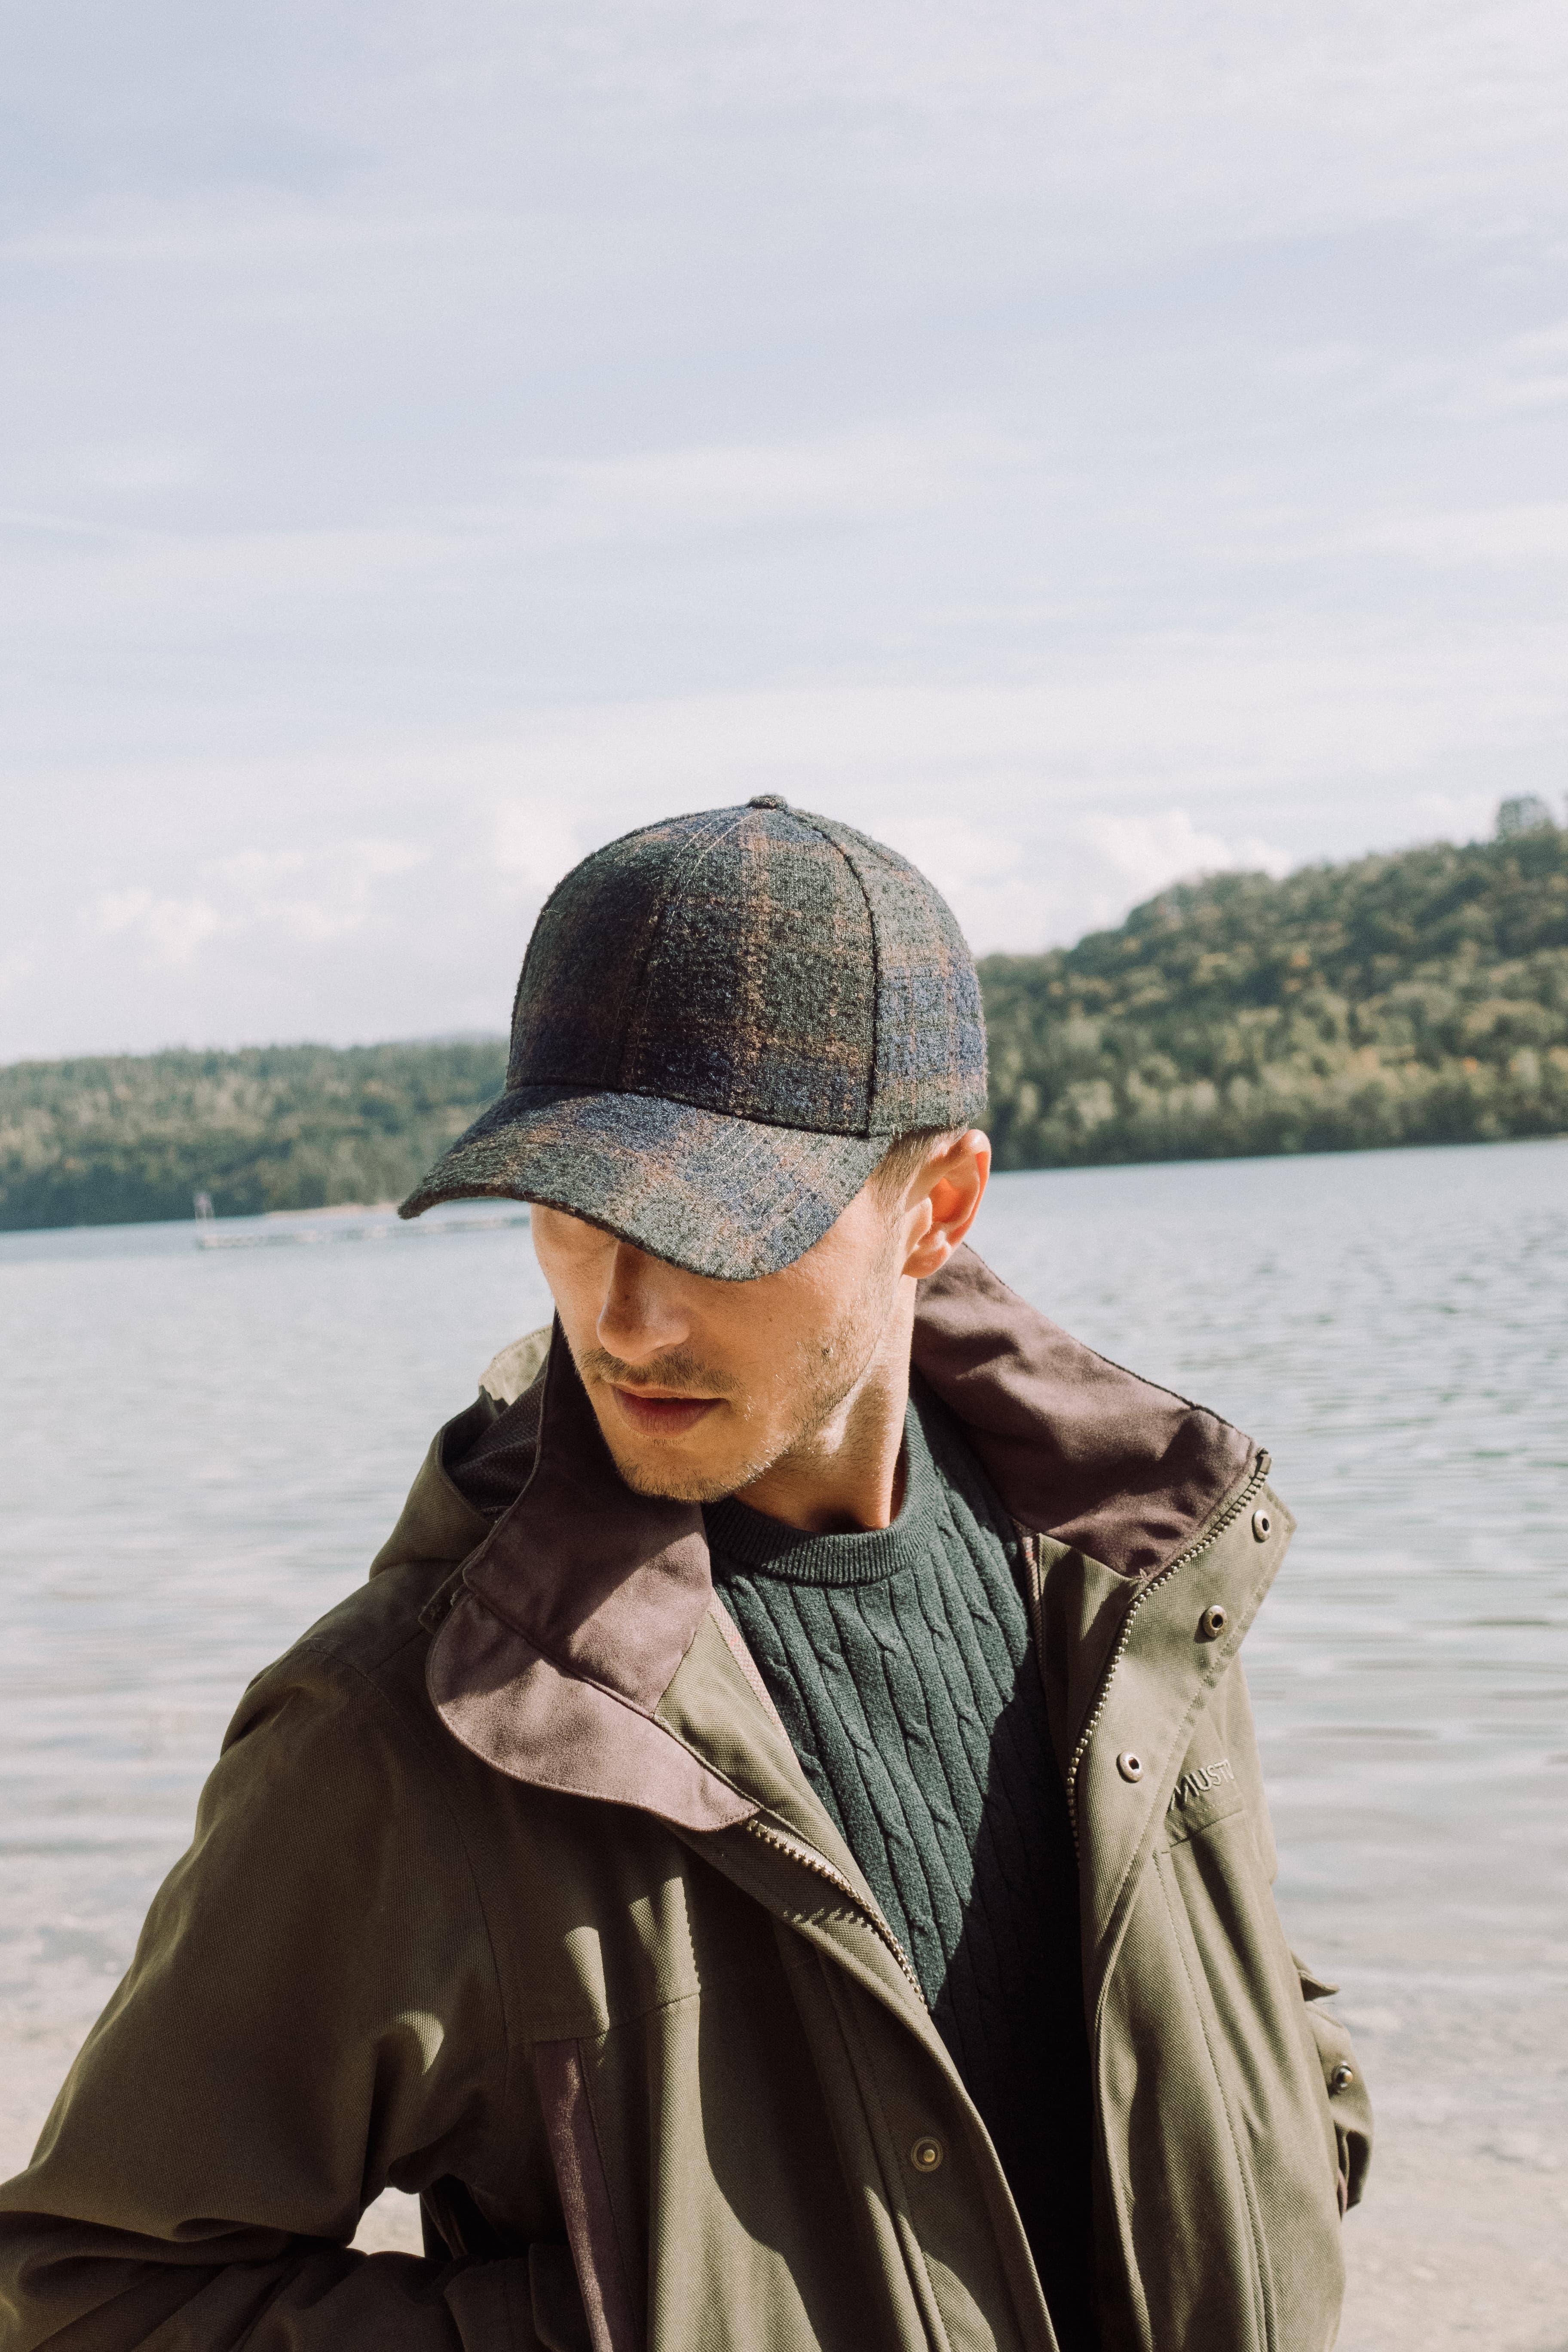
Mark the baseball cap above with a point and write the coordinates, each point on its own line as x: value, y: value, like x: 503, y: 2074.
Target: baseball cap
x: 723, y: 1022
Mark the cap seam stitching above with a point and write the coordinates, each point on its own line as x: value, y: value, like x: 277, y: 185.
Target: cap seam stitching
x: 819, y: 825
x: 633, y: 995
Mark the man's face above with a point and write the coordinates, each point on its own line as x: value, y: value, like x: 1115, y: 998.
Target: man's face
x: 701, y: 1386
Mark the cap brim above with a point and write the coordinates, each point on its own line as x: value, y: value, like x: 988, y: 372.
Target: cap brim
x: 726, y: 1197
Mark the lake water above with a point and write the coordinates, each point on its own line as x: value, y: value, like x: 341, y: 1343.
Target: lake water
x: 203, y: 1448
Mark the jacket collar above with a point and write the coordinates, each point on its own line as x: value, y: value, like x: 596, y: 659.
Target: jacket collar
x: 572, y: 1618
x: 608, y: 1583
x: 1078, y: 1450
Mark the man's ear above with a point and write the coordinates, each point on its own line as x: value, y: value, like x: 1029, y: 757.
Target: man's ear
x: 950, y: 1189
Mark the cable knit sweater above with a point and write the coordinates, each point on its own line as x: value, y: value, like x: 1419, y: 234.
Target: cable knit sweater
x: 900, y: 1662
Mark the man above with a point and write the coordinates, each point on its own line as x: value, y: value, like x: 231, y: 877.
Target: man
x: 775, y: 1856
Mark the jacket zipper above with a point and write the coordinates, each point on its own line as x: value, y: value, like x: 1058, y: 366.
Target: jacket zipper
x: 810, y: 1860
x: 1232, y: 1511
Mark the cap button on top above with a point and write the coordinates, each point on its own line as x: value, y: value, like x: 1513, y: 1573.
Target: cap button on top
x: 767, y: 800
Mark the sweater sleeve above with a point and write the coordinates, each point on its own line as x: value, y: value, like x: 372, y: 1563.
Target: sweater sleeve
x: 312, y: 2012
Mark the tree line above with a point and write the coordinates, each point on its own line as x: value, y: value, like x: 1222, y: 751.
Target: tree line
x: 128, y: 1138
x: 1420, y: 998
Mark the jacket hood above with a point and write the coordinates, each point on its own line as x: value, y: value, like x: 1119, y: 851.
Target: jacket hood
x: 561, y: 1636
x: 1078, y: 1449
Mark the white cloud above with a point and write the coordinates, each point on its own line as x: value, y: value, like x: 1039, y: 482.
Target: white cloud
x: 1145, y: 852
x: 1064, y: 872
x: 82, y: 570
x: 866, y: 476
x: 538, y: 842
x: 168, y: 931
x: 345, y: 890
x: 76, y: 574
x: 1524, y: 373
x: 1315, y: 110
x: 1083, y: 445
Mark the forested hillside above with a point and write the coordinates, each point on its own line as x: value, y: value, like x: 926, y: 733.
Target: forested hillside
x: 1416, y: 999
x: 278, y: 1126
x: 1421, y: 998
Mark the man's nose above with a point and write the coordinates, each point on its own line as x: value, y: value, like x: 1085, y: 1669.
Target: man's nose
x: 641, y: 1317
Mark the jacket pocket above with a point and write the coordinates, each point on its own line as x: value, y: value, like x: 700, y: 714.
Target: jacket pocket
x: 1345, y: 2084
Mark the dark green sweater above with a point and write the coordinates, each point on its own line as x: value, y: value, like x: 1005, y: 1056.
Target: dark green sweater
x: 900, y: 1663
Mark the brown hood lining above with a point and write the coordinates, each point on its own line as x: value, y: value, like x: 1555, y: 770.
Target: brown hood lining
x: 608, y: 1584
x: 1077, y: 1448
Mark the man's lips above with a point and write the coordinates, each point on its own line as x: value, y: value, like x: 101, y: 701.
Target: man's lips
x: 662, y: 1416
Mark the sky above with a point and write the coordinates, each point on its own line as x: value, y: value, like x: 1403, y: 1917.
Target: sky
x: 1084, y: 446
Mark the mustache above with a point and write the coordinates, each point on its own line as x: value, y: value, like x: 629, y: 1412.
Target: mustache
x: 679, y: 1369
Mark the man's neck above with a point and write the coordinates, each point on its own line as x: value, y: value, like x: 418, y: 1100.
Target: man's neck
x: 849, y: 1475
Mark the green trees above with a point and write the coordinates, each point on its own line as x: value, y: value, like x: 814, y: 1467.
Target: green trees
x: 1421, y: 998
x: 278, y: 1126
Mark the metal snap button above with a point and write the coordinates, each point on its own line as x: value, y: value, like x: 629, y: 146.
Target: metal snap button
x: 1262, y: 1526
x: 1130, y: 1766
x: 1341, y: 2078
x: 926, y: 2155
x: 1213, y: 1622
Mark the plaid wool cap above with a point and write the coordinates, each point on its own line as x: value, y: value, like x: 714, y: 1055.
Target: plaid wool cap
x: 723, y: 1022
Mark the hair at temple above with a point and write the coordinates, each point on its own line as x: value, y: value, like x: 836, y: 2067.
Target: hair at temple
x: 907, y: 1155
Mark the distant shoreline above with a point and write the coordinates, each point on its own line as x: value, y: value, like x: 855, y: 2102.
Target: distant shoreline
x: 338, y: 1209
x: 1415, y: 999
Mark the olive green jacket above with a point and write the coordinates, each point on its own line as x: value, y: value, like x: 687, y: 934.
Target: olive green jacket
x: 508, y: 1889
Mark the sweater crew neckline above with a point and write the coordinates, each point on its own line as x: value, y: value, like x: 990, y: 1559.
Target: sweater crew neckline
x: 744, y: 1541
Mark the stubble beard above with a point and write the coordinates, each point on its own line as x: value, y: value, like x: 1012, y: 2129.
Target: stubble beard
x: 831, y: 1367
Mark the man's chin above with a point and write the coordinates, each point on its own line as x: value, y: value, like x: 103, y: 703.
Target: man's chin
x: 669, y: 1480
